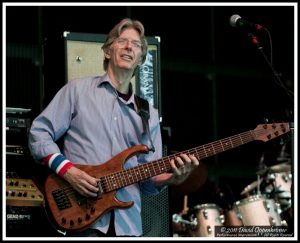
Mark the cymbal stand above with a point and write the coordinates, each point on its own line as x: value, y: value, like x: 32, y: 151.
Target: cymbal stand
x: 258, y: 185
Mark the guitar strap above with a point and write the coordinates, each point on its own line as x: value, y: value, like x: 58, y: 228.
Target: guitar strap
x: 143, y: 111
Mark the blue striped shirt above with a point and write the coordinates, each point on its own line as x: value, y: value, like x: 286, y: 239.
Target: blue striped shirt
x: 97, y: 124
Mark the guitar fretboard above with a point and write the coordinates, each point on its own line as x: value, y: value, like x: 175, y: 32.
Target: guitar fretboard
x: 126, y: 177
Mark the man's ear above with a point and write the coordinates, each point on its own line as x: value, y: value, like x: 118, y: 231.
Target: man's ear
x: 107, y: 53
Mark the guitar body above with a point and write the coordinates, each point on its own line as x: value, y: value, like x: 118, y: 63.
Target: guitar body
x: 73, y: 212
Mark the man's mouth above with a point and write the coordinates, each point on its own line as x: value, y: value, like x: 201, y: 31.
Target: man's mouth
x: 127, y: 57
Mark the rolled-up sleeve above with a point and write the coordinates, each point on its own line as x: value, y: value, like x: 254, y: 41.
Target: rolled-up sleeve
x: 51, y: 124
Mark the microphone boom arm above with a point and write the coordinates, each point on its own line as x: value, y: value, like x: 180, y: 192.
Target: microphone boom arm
x: 276, y: 75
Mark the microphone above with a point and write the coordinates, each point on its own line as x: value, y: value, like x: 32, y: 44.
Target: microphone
x: 237, y: 22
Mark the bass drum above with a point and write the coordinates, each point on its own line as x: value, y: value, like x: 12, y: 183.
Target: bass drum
x: 207, y: 217
x: 258, y: 210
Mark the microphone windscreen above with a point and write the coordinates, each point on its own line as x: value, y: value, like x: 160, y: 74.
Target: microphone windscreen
x: 233, y: 19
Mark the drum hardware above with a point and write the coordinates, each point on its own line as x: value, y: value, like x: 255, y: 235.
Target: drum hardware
x: 252, y: 186
x: 178, y: 219
x: 179, y: 223
x: 267, y: 206
x: 207, y: 216
x: 267, y: 209
x: 280, y: 188
x: 209, y: 230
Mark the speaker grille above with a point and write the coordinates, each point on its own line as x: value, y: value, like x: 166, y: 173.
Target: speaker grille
x: 155, y: 215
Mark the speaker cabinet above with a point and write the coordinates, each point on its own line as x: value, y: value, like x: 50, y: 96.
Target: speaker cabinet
x: 155, y: 215
x: 84, y: 57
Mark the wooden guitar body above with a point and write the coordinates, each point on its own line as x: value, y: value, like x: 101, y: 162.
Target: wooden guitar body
x: 74, y: 212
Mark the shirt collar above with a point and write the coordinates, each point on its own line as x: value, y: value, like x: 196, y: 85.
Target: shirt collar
x: 105, y: 79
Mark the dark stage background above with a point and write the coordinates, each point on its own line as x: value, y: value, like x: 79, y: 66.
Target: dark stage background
x: 214, y: 81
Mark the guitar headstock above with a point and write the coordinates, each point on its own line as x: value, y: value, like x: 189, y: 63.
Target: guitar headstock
x: 266, y: 132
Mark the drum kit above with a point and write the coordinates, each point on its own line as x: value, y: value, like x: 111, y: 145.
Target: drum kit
x: 264, y: 203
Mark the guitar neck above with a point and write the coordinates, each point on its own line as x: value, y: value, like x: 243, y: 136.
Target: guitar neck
x: 130, y: 176
x: 263, y: 132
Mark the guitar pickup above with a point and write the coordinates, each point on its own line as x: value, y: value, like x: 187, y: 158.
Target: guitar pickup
x: 61, y: 199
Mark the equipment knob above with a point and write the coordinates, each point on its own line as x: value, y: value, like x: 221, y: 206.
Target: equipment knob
x: 63, y: 220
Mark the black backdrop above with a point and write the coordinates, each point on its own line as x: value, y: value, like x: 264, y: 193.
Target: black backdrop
x: 214, y: 81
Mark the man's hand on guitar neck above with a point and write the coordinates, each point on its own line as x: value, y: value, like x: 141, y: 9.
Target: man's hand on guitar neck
x: 82, y: 182
x: 182, y: 167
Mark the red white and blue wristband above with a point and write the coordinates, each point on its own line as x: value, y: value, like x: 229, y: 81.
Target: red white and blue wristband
x: 58, y: 163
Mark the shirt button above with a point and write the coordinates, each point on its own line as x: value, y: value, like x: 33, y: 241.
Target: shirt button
x: 115, y: 118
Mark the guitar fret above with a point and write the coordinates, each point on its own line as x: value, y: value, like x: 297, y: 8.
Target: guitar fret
x: 122, y: 179
x: 108, y: 183
x: 153, y: 167
x: 236, y: 142
x: 209, y: 151
x: 221, y: 145
x: 226, y: 145
x: 147, y: 170
x: 130, y: 177
x: 216, y: 148
x: 137, y: 173
x: 144, y: 171
x: 163, y: 168
x: 103, y: 184
x: 241, y: 139
x: 112, y: 177
x: 204, y: 151
x: 213, y: 148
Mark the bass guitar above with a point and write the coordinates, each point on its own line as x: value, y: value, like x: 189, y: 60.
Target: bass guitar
x: 73, y: 212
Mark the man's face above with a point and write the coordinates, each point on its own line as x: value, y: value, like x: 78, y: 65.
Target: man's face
x: 126, y: 51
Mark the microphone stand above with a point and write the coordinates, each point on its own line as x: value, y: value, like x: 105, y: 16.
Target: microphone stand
x: 291, y: 95
x: 276, y: 75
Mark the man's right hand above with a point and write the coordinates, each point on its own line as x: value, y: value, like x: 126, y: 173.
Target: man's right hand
x: 85, y: 184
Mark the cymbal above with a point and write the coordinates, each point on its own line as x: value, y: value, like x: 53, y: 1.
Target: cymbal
x: 251, y: 186
x: 283, y: 167
x: 283, y: 158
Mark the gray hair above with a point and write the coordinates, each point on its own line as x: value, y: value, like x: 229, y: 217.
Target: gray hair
x: 116, y: 32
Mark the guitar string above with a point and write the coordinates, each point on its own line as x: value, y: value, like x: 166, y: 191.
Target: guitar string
x: 214, y: 145
x: 120, y: 178
x: 217, y: 147
x: 235, y: 141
